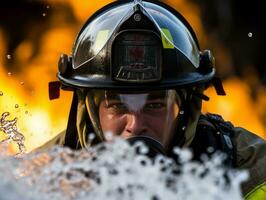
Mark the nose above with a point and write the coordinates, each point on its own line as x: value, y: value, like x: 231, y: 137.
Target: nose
x: 135, y: 124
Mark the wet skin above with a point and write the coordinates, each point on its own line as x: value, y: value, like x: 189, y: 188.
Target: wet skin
x: 129, y: 115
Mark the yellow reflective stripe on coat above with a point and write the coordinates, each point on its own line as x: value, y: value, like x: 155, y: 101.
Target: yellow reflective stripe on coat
x: 101, y: 39
x: 258, y: 193
x: 165, y: 41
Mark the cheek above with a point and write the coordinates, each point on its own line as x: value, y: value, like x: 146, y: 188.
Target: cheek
x: 156, y: 125
x: 171, y: 123
x: 161, y: 125
x: 111, y: 123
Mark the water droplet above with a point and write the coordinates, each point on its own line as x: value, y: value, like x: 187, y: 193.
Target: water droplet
x: 184, y: 155
x: 22, y: 83
x: 250, y: 34
x: 9, y: 56
x: 108, y: 136
x: 47, y: 6
x: 44, y: 14
x: 181, y: 112
x: 1, y: 93
x: 210, y: 149
x: 9, y: 73
x: 143, y: 149
x: 91, y: 136
x: 16, y: 106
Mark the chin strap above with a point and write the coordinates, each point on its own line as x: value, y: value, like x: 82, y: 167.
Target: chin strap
x: 179, y: 138
x: 218, y: 86
x: 71, y: 138
x: 182, y: 121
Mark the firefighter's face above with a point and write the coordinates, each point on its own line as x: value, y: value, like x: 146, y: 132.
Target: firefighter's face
x: 150, y: 114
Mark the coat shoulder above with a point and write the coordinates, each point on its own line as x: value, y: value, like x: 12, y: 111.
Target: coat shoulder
x: 251, y: 156
x: 58, y: 140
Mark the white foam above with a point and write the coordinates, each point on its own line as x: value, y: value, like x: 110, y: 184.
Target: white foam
x: 113, y: 171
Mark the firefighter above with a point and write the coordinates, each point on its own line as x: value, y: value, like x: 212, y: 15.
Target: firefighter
x: 137, y: 71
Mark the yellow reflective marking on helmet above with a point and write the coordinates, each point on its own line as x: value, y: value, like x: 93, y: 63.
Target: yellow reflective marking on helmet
x: 259, y: 193
x: 166, y: 43
x: 101, y: 39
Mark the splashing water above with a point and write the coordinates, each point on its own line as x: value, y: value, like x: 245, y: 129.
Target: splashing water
x: 114, y: 171
x: 9, y: 128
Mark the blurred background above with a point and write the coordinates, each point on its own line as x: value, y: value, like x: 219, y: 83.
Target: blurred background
x: 33, y: 34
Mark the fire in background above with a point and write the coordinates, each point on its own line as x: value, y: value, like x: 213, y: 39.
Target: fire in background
x: 33, y: 34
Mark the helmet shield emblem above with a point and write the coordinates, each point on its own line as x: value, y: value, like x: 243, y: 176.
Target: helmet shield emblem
x: 137, y: 57
x: 99, y: 32
x: 132, y: 44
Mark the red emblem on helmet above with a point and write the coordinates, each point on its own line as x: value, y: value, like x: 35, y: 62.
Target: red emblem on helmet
x: 136, y: 53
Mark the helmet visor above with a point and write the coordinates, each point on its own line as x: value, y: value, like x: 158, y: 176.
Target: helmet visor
x: 129, y: 114
x: 95, y: 36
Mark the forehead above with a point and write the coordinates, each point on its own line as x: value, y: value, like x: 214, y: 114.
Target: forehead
x: 149, y: 94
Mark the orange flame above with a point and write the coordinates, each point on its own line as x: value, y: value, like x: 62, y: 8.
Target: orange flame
x: 237, y: 106
x: 40, y: 119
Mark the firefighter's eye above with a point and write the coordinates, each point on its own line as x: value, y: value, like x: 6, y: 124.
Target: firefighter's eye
x: 155, y: 105
x: 117, y: 107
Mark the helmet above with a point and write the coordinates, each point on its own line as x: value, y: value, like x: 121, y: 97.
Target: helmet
x: 135, y: 46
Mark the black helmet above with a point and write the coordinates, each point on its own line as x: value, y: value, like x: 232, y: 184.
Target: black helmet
x: 133, y: 45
